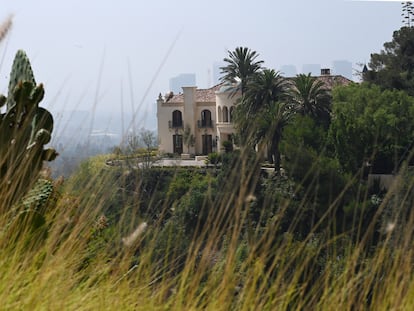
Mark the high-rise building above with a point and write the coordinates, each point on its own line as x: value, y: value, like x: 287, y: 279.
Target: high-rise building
x: 288, y: 70
x: 343, y: 68
x: 183, y: 79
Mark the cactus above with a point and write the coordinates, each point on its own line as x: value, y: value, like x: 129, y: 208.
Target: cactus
x: 38, y: 196
x: 24, y: 130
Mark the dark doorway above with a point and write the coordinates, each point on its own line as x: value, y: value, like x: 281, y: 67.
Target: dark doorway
x: 178, y: 144
x: 207, y: 144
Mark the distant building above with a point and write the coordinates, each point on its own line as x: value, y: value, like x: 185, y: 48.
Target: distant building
x: 208, y: 113
x: 184, y: 79
x: 343, y: 68
x: 288, y: 70
x: 313, y: 69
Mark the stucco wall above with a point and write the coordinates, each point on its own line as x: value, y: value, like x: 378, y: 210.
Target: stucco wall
x: 164, y: 115
x: 191, y: 114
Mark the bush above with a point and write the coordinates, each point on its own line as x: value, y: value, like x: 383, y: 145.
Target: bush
x: 227, y: 146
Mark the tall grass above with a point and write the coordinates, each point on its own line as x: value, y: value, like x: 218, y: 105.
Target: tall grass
x: 80, y: 250
x: 79, y: 260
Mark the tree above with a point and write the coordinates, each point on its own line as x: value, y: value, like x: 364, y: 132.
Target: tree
x: 188, y: 137
x: 263, y: 89
x: 147, y: 138
x: 407, y: 13
x: 271, y: 122
x: 241, y: 66
x: 264, y: 115
x: 143, y: 139
x: 393, y: 67
x: 310, y: 97
x: 371, y: 127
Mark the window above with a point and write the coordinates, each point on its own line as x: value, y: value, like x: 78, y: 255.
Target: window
x: 219, y: 114
x: 177, y: 119
x: 231, y: 113
x: 225, y: 114
x: 206, y: 118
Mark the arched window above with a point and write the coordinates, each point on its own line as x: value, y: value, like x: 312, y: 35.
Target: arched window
x: 206, y: 118
x: 225, y: 114
x: 177, y: 118
x: 219, y: 114
x: 231, y: 113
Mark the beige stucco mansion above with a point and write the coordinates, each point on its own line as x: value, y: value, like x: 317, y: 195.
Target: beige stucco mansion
x: 208, y: 114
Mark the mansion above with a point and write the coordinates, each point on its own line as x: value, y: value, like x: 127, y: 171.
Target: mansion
x: 206, y: 114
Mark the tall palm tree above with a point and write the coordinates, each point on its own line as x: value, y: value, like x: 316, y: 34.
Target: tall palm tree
x: 263, y: 89
x: 262, y: 114
x: 310, y: 97
x: 271, y: 123
x: 241, y: 66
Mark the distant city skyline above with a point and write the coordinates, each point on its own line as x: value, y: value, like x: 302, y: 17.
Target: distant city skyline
x: 95, y: 55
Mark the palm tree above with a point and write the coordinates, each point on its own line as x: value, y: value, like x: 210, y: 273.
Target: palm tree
x: 263, y: 89
x: 241, y: 66
x: 261, y: 114
x: 310, y: 97
x: 271, y: 123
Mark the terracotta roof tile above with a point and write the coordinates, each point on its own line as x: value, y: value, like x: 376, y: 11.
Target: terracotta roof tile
x: 332, y: 81
x: 209, y: 95
x: 202, y: 96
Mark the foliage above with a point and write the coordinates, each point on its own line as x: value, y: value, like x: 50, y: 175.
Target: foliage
x: 371, y: 127
x: 261, y: 115
x: 213, y: 158
x: 235, y: 238
x: 241, y: 66
x: 309, y: 96
x: 143, y: 139
x: 227, y: 146
x: 263, y: 89
x: 188, y: 138
x: 320, y: 181
x: 393, y: 67
x: 304, y: 131
x: 407, y: 13
x: 147, y: 138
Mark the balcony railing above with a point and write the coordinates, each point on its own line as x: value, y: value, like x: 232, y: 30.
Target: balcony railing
x: 205, y: 123
x: 175, y: 125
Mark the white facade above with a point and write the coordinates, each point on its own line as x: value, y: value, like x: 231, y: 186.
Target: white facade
x: 207, y: 113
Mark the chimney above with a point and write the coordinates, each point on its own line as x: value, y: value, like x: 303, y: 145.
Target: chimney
x: 325, y: 72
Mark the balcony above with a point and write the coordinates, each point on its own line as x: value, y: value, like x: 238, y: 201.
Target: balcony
x: 205, y: 123
x: 175, y: 125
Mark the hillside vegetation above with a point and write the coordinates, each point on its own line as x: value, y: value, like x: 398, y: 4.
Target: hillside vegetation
x: 312, y: 233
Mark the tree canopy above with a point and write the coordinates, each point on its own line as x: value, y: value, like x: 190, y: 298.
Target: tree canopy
x: 371, y: 127
x: 393, y: 67
x: 242, y: 64
x: 310, y: 97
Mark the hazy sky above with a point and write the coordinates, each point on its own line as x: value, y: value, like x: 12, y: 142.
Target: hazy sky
x: 75, y: 44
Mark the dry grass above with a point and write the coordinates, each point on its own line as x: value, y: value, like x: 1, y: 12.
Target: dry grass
x: 55, y: 272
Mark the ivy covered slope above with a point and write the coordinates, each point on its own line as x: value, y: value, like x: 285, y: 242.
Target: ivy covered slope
x: 24, y: 130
